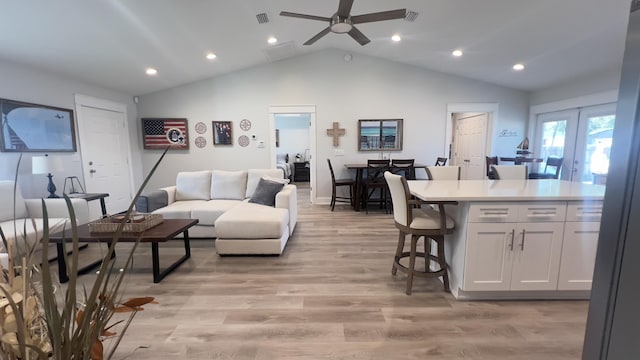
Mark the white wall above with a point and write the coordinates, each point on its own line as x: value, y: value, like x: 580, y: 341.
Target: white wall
x: 294, y: 134
x: 595, y: 83
x: 364, y: 88
x: 31, y: 85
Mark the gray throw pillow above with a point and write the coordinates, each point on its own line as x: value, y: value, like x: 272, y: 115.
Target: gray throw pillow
x: 265, y: 193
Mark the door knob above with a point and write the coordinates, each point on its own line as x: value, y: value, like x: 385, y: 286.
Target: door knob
x: 90, y: 162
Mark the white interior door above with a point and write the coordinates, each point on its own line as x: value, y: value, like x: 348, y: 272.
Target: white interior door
x: 104, y: 147
x: 469, y: 144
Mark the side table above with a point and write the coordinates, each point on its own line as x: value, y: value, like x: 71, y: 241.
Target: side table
x: 92, y: 196
x: 301, y: 171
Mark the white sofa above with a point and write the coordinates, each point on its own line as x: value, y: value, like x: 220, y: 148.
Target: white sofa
x: 221, y: 201
x: 24, y: 227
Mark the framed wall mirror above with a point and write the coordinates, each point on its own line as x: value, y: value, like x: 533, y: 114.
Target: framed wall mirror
x: 380, y: 135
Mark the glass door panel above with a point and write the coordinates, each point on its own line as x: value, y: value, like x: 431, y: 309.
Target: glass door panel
x: 555, y: 137
x: 593, y: 147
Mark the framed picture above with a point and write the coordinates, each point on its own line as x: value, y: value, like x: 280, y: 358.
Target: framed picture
x: 380, y: 135
x: 158, y: 133
x: 27, y: 127
x: 222, y: 133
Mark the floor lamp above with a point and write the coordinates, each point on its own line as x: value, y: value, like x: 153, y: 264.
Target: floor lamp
x: 46, y: 165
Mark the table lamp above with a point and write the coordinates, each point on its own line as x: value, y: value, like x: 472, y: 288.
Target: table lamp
x: 46, y: 165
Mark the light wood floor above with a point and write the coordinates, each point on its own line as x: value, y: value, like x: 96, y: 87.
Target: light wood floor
x: 330, y: 296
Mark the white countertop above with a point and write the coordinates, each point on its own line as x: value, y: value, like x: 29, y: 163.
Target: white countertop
x: 504, y: 190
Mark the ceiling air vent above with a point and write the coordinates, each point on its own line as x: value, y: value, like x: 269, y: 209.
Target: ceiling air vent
x: 263, y: 18
x: 411, y: 16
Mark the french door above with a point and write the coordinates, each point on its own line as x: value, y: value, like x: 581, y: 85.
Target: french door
x: 582, y: 137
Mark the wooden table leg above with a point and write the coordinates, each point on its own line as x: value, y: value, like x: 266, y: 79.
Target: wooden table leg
x: 357, y: 201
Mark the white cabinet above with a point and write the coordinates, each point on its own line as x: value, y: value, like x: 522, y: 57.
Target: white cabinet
x: 579, y: 246
x: 522, y: 255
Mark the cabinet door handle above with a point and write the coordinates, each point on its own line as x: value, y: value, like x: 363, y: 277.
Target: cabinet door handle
x: 513, y: 235
x: 522, y: 244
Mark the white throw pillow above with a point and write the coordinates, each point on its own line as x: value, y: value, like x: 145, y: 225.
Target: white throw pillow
x: 254, y: 175
x: 193, y: 185
x: 278, y: 180
x: 230, y: 185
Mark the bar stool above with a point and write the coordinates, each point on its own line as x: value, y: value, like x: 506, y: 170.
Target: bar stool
x: 375, y: 181
x: 404, y: 167
x: 340, y: 182
x: 443, y: 172
x: 430, y: 224
x: 555, y: 163
x: 510, y: 172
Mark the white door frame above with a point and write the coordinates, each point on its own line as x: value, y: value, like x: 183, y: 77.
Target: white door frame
x: 89, y: 101
x: 296, y: 109
x: 490, y: 108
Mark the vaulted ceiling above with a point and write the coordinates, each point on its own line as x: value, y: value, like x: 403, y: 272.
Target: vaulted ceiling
x: 111, y: 43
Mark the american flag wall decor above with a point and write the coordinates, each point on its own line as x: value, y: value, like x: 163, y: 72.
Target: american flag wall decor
x: 158, y: 133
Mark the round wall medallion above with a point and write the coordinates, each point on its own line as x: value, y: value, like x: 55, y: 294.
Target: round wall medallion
x: 245, y: 124
x: 201, y: 142
x: 201, y: 128
x: 243, y: 140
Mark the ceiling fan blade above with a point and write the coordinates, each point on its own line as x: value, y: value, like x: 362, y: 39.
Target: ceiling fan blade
x: 358, y: 36
x: 304, y: 16
x: 318, y: 36
x: 344, y: 8
x: 379, y: 16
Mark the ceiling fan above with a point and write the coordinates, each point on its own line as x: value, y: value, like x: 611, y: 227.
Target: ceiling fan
x: 342, y: 22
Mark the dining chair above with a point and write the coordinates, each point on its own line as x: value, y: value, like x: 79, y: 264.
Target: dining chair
x: 426, y: 223
x: 491, y: 160
x: 443, y: 172
x: 441, y: 161
x: 374, y: 180
x: 335, y: 183
x: 555, y: 163
x: 404, y: 167
x: 510, y: 172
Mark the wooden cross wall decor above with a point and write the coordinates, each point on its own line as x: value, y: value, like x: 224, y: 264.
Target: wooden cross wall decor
x: 335, y: 132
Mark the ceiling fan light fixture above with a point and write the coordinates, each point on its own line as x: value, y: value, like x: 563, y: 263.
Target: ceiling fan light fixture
x: 341, y: 25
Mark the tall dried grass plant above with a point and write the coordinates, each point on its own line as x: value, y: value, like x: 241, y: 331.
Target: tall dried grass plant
x: 40, y: 319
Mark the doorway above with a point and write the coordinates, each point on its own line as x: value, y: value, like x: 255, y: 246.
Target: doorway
x: 581, y: 136
x: 104, y: 150
x: 467, y: 139
x: 469, y: 142
x: 292, y: 132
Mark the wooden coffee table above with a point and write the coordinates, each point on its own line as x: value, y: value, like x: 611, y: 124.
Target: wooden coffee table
x: 166, y: 231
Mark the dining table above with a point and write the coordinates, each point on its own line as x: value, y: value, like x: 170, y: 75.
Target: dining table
x: 360, y: 168
x: 521, y: 159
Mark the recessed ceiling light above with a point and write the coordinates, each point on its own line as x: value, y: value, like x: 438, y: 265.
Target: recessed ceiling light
x: 151, y: 71
x: 272, y: 40
x: 211, y: 56
x: 396, y: 38
x: 457, y: 53
x: 518, y: 67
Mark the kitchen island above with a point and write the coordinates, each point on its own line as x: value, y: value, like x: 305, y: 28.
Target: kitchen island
x: 519, y: 239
